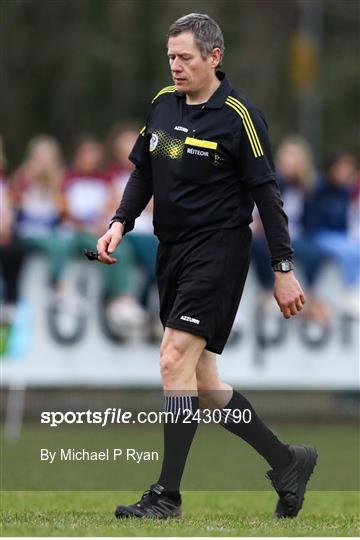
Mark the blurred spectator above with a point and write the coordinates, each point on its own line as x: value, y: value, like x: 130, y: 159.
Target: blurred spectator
x: 89, y: 196
x: 11, y: 255
x: 36, y: 191
x: 120, y: 143
x: 327, y: 220
x: 296, y: 177
x: 355, y: 210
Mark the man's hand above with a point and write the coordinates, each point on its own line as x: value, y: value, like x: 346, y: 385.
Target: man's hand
x: 107, y: 244
x: 288, y: 294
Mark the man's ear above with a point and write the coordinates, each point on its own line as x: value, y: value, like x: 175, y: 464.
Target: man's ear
x: 215, y: 57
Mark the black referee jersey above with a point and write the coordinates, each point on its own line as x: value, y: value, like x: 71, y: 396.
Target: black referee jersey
x: 205, y: 165
x: 199, y: 162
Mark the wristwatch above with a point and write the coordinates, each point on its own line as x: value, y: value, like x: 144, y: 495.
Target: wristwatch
x: 117, y: 220
x: 283, y: 266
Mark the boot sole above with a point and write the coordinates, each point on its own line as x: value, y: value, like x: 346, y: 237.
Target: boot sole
x: 129, y: 515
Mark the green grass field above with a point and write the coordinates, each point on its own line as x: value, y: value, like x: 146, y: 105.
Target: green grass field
x: 204, y: 514
x: 331, y: 508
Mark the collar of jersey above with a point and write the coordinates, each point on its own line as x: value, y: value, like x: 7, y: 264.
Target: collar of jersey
x: 218, y: 98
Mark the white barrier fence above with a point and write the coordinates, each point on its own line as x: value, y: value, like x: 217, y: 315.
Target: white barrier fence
x: 295, y: 360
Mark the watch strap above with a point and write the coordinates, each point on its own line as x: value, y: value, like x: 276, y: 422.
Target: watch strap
x: 283, y: 266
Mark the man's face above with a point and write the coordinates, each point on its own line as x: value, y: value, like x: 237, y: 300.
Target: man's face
x: 190, y: 71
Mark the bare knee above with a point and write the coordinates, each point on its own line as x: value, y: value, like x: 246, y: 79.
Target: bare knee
x: 171, y: 359
x: 179, y: 354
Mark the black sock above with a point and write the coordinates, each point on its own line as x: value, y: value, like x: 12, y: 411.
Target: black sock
x: 255, y: 433
x: 178, y: 437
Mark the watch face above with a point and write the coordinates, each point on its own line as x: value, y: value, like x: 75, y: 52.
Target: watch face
x: 285, y: 266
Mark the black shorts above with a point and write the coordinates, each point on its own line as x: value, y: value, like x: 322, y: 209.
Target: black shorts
x: 201, y: 281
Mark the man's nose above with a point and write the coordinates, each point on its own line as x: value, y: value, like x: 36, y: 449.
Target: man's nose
x: 176, y: 65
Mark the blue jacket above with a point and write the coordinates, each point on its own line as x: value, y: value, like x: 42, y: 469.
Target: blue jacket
x: 327, y: 208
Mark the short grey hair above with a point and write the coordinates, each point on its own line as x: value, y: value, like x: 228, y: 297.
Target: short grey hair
x: 207, y: 33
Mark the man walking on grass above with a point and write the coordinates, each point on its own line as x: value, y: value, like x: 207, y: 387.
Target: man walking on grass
x: 204, y: 155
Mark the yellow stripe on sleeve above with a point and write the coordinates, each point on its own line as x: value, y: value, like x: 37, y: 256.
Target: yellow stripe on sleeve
x: 246, y: 127
x: 165, y: 90
x: 236, y: 102
x: 249, y: 127
x: 247, y: 121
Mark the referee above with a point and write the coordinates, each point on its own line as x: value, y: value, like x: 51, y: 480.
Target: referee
x: 204, y: 155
